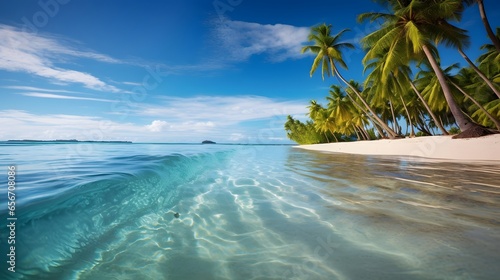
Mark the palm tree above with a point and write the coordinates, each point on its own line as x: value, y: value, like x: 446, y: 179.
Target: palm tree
x: 322, y: 122
x: 437, y: 122
x: 431, y: 88
x: 348, y: 118
x: 409, y: 31
x: 480, y: 73
x: 481, y: 108
x: 387, y: 89
x: 328, y: 52
x: 465, y: 81
x: 339, y: 107
x: 486, y: 23
x: 361, y: 109
x: 395, y: 82
x: 489, y: 62
x: 302, y: 133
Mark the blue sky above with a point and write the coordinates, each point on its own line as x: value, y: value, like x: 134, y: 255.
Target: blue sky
x: 172, y: 71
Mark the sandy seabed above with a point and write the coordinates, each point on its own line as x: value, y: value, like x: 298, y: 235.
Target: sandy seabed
x: 486, y: 148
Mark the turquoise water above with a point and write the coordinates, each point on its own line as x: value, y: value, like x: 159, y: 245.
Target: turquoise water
x: 106, y: 211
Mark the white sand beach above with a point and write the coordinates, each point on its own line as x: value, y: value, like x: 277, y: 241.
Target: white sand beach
x: 486, y: 148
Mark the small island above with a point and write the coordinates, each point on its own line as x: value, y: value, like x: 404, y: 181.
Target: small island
x: 208, y: 142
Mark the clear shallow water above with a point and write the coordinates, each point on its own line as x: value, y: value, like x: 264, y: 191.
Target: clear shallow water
x: 106, y: 211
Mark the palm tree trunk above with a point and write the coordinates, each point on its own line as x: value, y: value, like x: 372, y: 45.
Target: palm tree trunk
x: 436, y: 121
x: 380, y: 132
x: 460, y: 118
x: 412, y: 133
x: 486, y: 23
x: 335, y: 137
x: 365, y: 133
x: 423, y: 125
x: 326, y: 136
x: 394, y: 122
x: 390, y: 132
x: 357, y: 133
x: 493, y: 119
x: 485, y: 79
x: 462, y: 121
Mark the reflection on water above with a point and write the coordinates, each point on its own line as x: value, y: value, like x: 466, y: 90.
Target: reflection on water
x: 252, y: 212
x: 441, y: 218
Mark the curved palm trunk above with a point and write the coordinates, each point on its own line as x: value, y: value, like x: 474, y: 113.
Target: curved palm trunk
x: 412, y: 133
x: 365, y: 133
x: 390, y: 132
x: 493, y: 119
x: 357, y: 133
x: 326, y: 136
x: 438, y: 123
x: 486, y: 23
x: 462, y: 121
x: 394, y: 121
x: 423, y: 125
x: 335, y: 137
x: 485, y: 79
x: 380, y: 132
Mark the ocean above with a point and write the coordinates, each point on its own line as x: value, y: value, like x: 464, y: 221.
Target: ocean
x: 185, y: 211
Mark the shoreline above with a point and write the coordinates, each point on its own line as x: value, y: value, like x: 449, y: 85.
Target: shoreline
x: 486, y: 148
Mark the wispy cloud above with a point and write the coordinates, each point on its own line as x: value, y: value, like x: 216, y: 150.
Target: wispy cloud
x: 25, y: 125
x: 37, y: 89
x: 248, y: 119
x: 221, y: 110
x: 161, y: 126
x: 58, y: 96
x: 38, y: 55
x: 240, y: 40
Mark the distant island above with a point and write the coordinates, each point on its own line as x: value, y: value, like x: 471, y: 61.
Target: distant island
x: 208, y: 142
x: 65, y: 141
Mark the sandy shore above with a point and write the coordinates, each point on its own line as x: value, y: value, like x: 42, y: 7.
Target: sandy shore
x: 485, y: 148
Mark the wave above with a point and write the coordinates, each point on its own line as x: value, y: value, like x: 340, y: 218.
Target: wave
x: 53, y: 230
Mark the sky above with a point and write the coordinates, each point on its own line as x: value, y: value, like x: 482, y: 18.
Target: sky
x: 174, y: 71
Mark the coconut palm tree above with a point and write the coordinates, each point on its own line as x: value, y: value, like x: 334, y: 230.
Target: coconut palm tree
x: 361, y: 109
x: 437, y: 122
x: 385, y: 91
x: 481, y: 107
x: 302, y: 133
x: 431, y: 88
x: 410, y: 31
x: 396, y: 82
x: 328, y: 53
x: 342, y: 111
x: 489, y: 62
x: 480, y: 73
x: 322, y: 121
x: 482, y: 12
x: 464, y: 81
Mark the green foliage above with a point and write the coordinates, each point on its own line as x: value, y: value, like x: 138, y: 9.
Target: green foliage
x: 406, y: 41
x: 327, y: 49
x: 454, y: 130
x: 303, y: 133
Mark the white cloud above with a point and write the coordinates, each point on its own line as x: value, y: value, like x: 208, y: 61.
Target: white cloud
x: 58, y: 96
x: 160, y: 126
x: 243, y: 119
x: 240, y: 40
x: 37, y: 89
x: 24, y: 125
x: 36, y: 54
x: 220, y: 110
x: 237, y: 137
x: 157, y: 126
